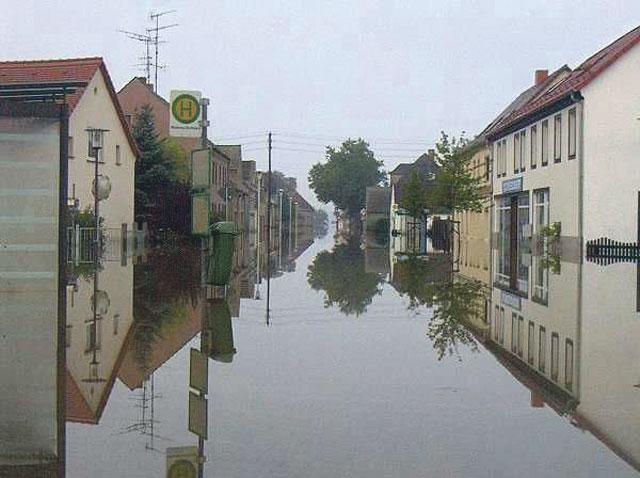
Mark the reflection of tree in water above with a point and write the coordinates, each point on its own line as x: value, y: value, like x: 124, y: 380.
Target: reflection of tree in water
x: 341, y: 274
x: 163, y: 288
x: 455, y: 303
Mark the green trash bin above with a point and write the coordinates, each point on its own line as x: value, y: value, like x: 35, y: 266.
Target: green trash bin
x: 223, y: 236
x: 218, y: 332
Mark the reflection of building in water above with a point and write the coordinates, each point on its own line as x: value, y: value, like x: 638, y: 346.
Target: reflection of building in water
x: 575, y: 348
x: 608, y: 379
x: 96, y: 345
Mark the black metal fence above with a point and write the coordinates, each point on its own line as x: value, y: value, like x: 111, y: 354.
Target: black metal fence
x: 606, y: 251
x: 442, y: 234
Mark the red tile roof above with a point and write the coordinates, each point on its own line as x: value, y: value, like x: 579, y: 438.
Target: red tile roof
x: 76, y: 69
x: 576, y: 80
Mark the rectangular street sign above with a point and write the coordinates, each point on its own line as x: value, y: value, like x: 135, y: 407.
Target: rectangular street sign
x: 199, y: 371
x: 185, y: 114
x: 198, y: 420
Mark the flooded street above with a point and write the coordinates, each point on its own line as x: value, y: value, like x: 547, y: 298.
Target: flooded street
x: 351, y: 377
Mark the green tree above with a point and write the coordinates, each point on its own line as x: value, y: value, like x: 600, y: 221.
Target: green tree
x: 154, y: 171
x: 344, y: 178
x: 456, y: 187
x: 341, y: 275
x: 414, y: 201
x: 175, y: 154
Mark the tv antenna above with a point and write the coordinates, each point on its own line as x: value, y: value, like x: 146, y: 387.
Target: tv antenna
x: 151, y: 38
x: 147, y: 43
x: 153, y: 32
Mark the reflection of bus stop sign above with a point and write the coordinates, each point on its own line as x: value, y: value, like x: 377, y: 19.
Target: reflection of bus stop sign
x: 182, y: 469
x: 186, y: 114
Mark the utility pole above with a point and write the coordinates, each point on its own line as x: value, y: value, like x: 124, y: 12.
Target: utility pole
x: 269, y: 230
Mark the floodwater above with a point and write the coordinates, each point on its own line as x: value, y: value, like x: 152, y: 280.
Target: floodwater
x: 369, y: 364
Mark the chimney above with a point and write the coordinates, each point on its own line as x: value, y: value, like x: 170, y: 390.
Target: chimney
x: 431, y: 154
x: 540, y: 76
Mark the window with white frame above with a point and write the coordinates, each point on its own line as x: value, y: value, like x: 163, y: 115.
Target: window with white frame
x: 557, y: 138
x: 516, y: 152
x: 534, y: 146
x: 531, y: 339
x: 544, y: 147
x: 572, y: 133
x: 523, y: 150
x: 542, y: 349
x: 568, y: 364
x: 118, y: 158
x: 540, y: 270
x: 555, y: 356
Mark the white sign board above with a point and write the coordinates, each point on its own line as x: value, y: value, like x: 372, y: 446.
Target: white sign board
x: 185, y: 114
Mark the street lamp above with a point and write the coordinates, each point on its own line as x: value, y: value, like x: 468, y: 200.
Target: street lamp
x: 101, y: 187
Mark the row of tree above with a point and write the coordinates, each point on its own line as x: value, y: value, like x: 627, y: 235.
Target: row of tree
x: 351, y: 168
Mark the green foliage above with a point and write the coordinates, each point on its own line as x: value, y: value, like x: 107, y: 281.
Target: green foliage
x: 552, y: 230
x: 414, y: 196
x: 381, y: 231
x: 341, y: 274
x: 154, y: 170
x: 343, y: 179
x: 174, y: 153
x: 456, y: 303
x: 320, y: 222
x: 456, y: 188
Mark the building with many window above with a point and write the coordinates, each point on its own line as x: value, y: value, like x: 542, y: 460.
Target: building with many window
x: 563, y: 170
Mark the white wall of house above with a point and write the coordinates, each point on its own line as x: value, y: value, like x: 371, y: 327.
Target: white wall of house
x: 96, y: 109
x: 561, y: 178
x: 612, y: 150
x: 559, y: 316
x: 609, y: 351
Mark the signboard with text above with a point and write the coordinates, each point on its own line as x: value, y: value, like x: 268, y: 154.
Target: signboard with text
x: 185, y: 114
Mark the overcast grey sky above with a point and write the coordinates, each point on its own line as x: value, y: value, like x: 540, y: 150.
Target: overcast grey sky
x: 383, y: 70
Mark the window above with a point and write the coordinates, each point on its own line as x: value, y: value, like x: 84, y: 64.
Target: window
x: 71, y: 156
x: 541, y: 220
x: 557, y: 138
x: 554, y: 356
x: 523, y: 150
x: 116, y: 323
x: 520, y: 336
x: 502, y: 320
x: 568, y: 364
x: 542, y: 349
x: 545, y: 143
x: 487, y: 168
x: 90, y: 153
x: 531, y: 339
x: 516, y: 152
x: 572, y: 133
x: 118, y: 158
x: 496, y: 325
x: 534, y: 147
x: 514, y: 333
x: 524, y: 243
x: 503, y: 221
x: 92, y: 337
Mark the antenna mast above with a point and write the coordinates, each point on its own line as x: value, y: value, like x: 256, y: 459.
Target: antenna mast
x: 153, y: 33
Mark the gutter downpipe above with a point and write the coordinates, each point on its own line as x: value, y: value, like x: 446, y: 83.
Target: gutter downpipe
x: 579, y: 99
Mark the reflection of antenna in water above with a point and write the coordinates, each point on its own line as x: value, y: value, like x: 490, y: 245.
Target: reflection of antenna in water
x: 146, y: 425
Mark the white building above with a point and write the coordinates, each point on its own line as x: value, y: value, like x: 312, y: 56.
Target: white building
x: 95, y: 106
x: 565, y: 166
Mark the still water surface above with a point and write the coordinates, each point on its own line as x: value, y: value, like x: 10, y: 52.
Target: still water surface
x: 369, y: 365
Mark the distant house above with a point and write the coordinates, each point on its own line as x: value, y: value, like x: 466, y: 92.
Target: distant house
x: 95, y: 106
x: 404, y: 236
